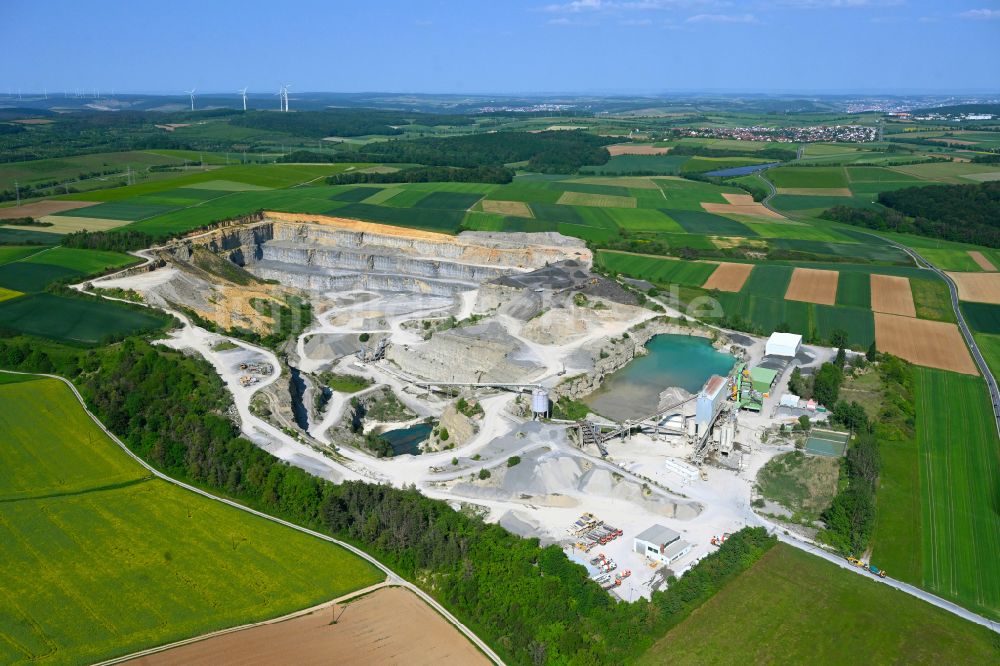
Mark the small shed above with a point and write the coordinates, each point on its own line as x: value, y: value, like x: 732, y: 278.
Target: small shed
x: 783, y: 344
x: 661, y: 543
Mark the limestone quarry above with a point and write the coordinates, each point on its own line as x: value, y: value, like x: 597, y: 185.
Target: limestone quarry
x: 453, y: 343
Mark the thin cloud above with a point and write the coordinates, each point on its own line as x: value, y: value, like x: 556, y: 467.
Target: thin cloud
x: 722, y: 18
x: 981, y: 14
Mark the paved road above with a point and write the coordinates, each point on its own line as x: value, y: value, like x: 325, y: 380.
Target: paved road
x: 991, y: 381
x: 391, y: 576
x: 912, y: 590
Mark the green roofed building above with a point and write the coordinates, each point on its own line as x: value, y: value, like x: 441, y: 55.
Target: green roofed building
x: 763, y: 379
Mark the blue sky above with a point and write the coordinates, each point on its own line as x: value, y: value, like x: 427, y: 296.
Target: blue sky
x: 514, y: 46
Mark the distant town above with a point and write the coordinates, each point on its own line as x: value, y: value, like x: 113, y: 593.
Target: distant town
x: 846, y: 133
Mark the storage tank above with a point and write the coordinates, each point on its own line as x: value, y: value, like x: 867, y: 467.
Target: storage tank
x: 540, y: 402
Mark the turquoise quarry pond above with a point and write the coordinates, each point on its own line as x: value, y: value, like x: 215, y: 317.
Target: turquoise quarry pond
x: 685, y: 361
x: 407, y: 440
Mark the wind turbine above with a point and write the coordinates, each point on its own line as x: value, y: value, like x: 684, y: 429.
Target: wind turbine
x: 191, y: 93
x: 244, y: 93
x: 285, y: 89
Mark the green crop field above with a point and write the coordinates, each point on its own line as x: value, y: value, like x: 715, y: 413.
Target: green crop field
x: 75, y: 319
x: 981, y: 317
x: 131, y: 210
x: 14, y: 253
x: 700, y: 222
x: 623, y: 165
x: 848, y: 250
x: 29, y: 277
x: 654, y: 269
x: 950, y: 260
x: 10, y: 236
x: 807, y: 177
x: 101, y: 559
x: 956, y: 533
x: 690, y: 194
x: 854, y: 289
x: 63, y: 168
x: 83, y: 261
x: 643, y: 219
x: 230, y: 178
x: 794, y: 203
x: 526, y: 191
x: 931, y: 299
x: 989, y: 345
x: 792, y: 607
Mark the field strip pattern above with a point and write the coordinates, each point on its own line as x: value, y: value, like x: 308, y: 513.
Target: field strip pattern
x: 892, y: 294
x: 932, y: 344
x: 393, y: 577
x: 813, y: 285
x: 959, y: 477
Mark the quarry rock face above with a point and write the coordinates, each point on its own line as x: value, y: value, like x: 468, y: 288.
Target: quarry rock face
x: 320, y: 253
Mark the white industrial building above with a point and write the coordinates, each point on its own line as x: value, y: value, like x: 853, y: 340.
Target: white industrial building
x: 662, y: 544
x: 783, y: 344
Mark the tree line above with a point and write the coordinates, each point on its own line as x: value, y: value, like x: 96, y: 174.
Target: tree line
x: 481, y: 174
x: 342, y: 122
x: 545, y: 152
x: 531, y: 603
x: 962, y: 213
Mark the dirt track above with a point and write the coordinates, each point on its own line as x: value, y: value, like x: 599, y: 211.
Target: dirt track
x: 42, y: 208
x: 813, y: 285
x: 892, y: 294
x: 978, y: 287
x: 728, y: 277
x: 980, y: 259
x: 933, y: 344
x: 388, y: 626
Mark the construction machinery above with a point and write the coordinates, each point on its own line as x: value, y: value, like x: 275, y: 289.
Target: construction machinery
x: 875, y: 570
x: 743, y: 392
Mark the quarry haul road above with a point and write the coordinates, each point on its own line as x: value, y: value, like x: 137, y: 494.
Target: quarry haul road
x: 391, y: 576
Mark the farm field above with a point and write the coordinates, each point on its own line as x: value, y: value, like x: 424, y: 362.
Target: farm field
x: 982, y: 317
x: 956, y: 528
x: 792, y: 607
x: 989, y: 346
x: 104, y: 559
x: 37, y: 209
x: 808, y: 178
x: 978, y: 287
x: 728, y: 277
x: 892, y: 294
x: 655, y: 269
x: 76, y: 320
x: 63, y: 168
x: 933, y: 344
x: 813, y: 286
x: 367, y: 631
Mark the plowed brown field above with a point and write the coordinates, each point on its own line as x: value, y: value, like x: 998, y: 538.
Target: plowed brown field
x: 978, y: 287
x: 630, y: 149
x: 42, y: 208
x: 980, y: 259
x: 813, y: 285
x: 934, y: 344
x: 388, y: 626
x: 728, y: 277
x: 892, y: 294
